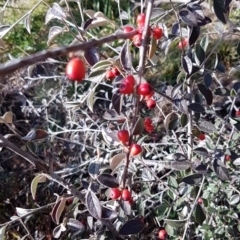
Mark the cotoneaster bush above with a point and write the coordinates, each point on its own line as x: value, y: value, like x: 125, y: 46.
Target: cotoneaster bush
x: 142, y: 159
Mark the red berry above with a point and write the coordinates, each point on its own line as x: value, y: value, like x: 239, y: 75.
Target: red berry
x: 201, y: 136
x: 135, y: 149
x: 131, y: 201
x: 115, y: 193
x: 147, y: 121
x: 75, y: 69
x: 157, y: 32
x: 128, y: 29
x: 126, y: 195
x: 137, y: 40
x: 151, y: 103
x: 237, y: 113
x: 182, y: 44
x: 228, y: 157
x: 200, y: 201
x: 126, y: 88
x: 110, y: 75
x: 149, y: 129
x: 70, y: 200
x: 123, y: 136
x: 115, y: 72
x: 144, y: 89
x: 130, y: 80
x: 162, y: 234
x: 141, y: 27
x: 141, y: 19
x: 150, y: 95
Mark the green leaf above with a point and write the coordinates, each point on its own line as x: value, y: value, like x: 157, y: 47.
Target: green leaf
x: 220, y: 11
x: 200, y: 55
x: 204, y: 42
x: 34, y: 184
x: 175, y: 223
x: 184, y: 120
x: 2, y: 232
x: 199, y: 214
x: 193, y: 179
x: 238, y: 48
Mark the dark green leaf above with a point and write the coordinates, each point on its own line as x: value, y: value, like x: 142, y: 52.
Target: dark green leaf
x: 200, y: 54
x: 201, y: 168
x: 223, y: 92
x: 108, y: 180
x: 175, y: 29
x: 174, y: 123
x: 92, y: 56
x: 199, y: 214
x: 131, y: 227
x: 193, y: 179
x: 94, y: 168
x: 198, y: 98
x: 184, y: 120
x: 220, y: 67
x: 220, y: 11
x: 207, y: 93
x: 180, y: 166
x: 196, y: 9
x: 236, y: 87
x: 187, y: 64
x: 208, y: 80
x: 188, y: 17
x: 116, y: 102
x: 196, y: 107
x: 108, y: 214
x: 179, y: 157
x: 220, y: 169
x: 201, y: 151
x: 93, y: 205
x: 238, y: 48
x: 194, y: 34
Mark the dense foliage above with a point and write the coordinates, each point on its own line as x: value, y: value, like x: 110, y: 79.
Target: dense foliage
x: 134, y: 138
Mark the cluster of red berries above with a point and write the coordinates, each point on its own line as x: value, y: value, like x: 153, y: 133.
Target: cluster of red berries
x: 157, y: 32
x: 116, y: 193
x: 123, y: 136
x: 112, y: 73
x: 148, y: 125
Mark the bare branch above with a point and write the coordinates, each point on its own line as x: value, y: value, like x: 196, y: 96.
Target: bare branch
x: 12, y: 66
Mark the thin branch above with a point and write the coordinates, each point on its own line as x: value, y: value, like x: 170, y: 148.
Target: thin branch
x: 52, y: 176
x: 11, y: 66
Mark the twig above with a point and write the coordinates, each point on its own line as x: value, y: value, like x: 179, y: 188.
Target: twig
x: 60, y: 51
x: 52, y: 176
